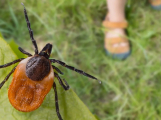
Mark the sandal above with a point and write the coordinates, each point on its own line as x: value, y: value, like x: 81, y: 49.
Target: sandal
x: 118, y: 47
x: 155, y: 4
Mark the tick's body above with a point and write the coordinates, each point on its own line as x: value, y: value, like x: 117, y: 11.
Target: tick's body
x: 25, y: 94
x: 33, y: 78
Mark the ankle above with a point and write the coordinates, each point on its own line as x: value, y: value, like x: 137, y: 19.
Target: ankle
x: 117, y: 17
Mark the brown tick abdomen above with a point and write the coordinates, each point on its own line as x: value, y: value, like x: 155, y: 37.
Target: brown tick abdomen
x: 25, y: 94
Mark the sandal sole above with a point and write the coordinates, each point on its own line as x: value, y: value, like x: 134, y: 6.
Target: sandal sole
x: 120, y: 56
x: 158, y: 7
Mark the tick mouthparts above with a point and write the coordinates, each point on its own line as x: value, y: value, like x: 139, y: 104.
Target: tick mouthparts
x: 22, y: 4
x: 100, y: 82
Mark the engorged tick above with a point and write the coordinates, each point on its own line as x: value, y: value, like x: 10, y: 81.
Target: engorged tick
x: 33, y: 77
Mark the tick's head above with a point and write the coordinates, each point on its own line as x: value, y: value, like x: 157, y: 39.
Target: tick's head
x: 46, y: 51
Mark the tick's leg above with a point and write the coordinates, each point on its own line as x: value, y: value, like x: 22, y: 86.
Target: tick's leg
x: 56, y: 102
x: 24, y: 52
x: 74, y: 69
x: 2, y: 83
x: 55, y: 68
x: 66, y: 87
x: 8, y: 64
x: 30, y: 30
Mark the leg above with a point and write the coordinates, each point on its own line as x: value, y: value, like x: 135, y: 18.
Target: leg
x: 8, y: 64
x: 116, y: 42
x: 116, y: 10
x: 24, y: 52
x: 55, y: 68
x: 2, y: 83
x: 30, y: 30
x: 74, y: 69
x: 116, y: 13
x: 56, y: 102
x: 66, y: 87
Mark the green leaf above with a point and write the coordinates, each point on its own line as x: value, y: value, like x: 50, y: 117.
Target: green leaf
x: 71, y: 107
x: 1, y: 35
x: 14, y: 47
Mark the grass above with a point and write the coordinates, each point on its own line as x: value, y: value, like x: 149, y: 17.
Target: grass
x: 131, y: 89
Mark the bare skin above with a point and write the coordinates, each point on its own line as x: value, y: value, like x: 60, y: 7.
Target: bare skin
x: 116, y: 13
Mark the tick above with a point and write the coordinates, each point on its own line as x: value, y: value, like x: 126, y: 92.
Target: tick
x: 34, y: 76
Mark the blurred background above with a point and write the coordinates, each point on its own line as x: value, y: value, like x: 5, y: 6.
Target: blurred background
x: 131, y: 89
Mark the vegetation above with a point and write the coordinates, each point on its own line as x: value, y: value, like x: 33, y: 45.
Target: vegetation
x: 131, y: 89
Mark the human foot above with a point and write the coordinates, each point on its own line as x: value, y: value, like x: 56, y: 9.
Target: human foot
x: 155, y: 4
x: 116, y: 43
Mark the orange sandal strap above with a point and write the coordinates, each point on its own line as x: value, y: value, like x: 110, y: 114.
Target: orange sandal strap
x: 155, y: 2
x: 109, y: 24
x: 117, y: 40
x: 109, y: 44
